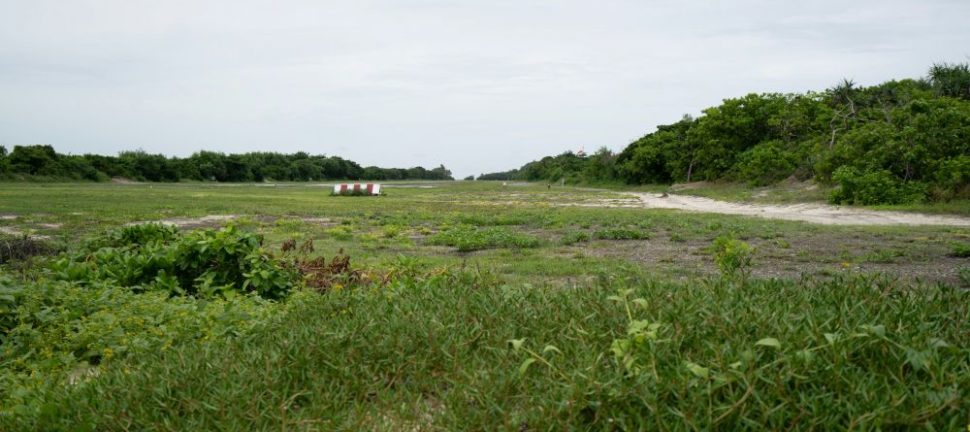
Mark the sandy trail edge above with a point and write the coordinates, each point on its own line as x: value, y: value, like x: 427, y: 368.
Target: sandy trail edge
x: 814, y: 213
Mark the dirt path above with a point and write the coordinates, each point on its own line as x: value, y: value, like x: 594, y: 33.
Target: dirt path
x: 814, y: 213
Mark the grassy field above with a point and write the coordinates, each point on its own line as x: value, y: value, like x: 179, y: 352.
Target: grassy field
x: 481, y: 306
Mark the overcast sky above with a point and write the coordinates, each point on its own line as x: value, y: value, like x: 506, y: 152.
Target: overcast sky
x: 477, y: 85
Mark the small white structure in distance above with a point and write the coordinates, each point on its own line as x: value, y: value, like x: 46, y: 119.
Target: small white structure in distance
x: 357, y: 189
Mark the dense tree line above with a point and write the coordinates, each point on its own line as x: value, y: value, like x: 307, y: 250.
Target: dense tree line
x: 41, y: 161
x: 900, y: 141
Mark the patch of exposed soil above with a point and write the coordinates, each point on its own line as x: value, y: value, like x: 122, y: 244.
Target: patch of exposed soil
x: 209, y: 221
x: 11, y: 231
x: 820, y: 254
x: 322, y: 221
x: 814, y: 213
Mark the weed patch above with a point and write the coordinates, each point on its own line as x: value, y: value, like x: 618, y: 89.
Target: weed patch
x: 468, y: 238
x: 620, y: 234
x: 574, y: 237
x: 960, y: 250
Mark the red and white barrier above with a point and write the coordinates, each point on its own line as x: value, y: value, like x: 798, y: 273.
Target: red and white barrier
x: 357, y: 188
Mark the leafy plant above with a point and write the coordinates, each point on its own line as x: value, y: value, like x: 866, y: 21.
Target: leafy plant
x: 203, y: 263
x: 873, y: 187
x: 732, y: 256
x: 636, y: 351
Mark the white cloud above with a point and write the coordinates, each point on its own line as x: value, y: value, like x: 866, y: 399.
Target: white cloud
x: 476, y: 85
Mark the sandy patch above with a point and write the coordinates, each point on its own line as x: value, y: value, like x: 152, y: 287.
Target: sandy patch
x: 814, y: 213
x: 17, y: 233
x: 318, y: 220
x: 199, y: 222
x: 8, y: 217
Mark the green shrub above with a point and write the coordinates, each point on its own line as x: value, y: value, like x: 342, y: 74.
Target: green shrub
x: 341, y: 232
x: 766, y: 163
x: 203, y: 263
x: 468, y: 238
x: 142, y: 234
x: 953, y: 179
x: 873, y: 187
x: 732, y: 256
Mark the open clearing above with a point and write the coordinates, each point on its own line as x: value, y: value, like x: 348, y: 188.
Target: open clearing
x: 472, y: 305
x: 813, y: 213
x: 835, y: 241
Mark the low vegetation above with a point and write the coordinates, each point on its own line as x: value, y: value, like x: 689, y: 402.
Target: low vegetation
x: 41, y: 162
x: 469, y: 238
x: 465, y: 307
x: 447, y: 348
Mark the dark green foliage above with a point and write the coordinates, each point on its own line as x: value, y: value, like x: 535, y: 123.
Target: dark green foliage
x: 873, y: 187
x: 142, y: 234
x: 915, y: 131
x: 951, y: 80
x: 42, y: 162
x: 206, y: 263
x: 504, y: 175
x: 766, y: 163
x: 952, y: 179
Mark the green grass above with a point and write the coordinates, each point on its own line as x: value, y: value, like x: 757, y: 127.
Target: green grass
x: 435, y: 353
x: 618, y: 318
x: 468, y: 238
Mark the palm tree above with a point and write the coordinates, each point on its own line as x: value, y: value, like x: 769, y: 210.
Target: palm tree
x: 843, y: 94
x: 951, y: 80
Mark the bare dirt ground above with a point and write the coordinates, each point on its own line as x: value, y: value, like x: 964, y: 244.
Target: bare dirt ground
x: 208, y: 221
x: 814, y: 213
x: 906, y: 257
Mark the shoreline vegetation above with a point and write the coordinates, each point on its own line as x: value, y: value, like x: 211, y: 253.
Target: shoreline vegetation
x: 41, y: 163
x: 899, y: 142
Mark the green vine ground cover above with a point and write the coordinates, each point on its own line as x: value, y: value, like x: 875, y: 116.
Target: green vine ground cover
x: 473, y: 307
